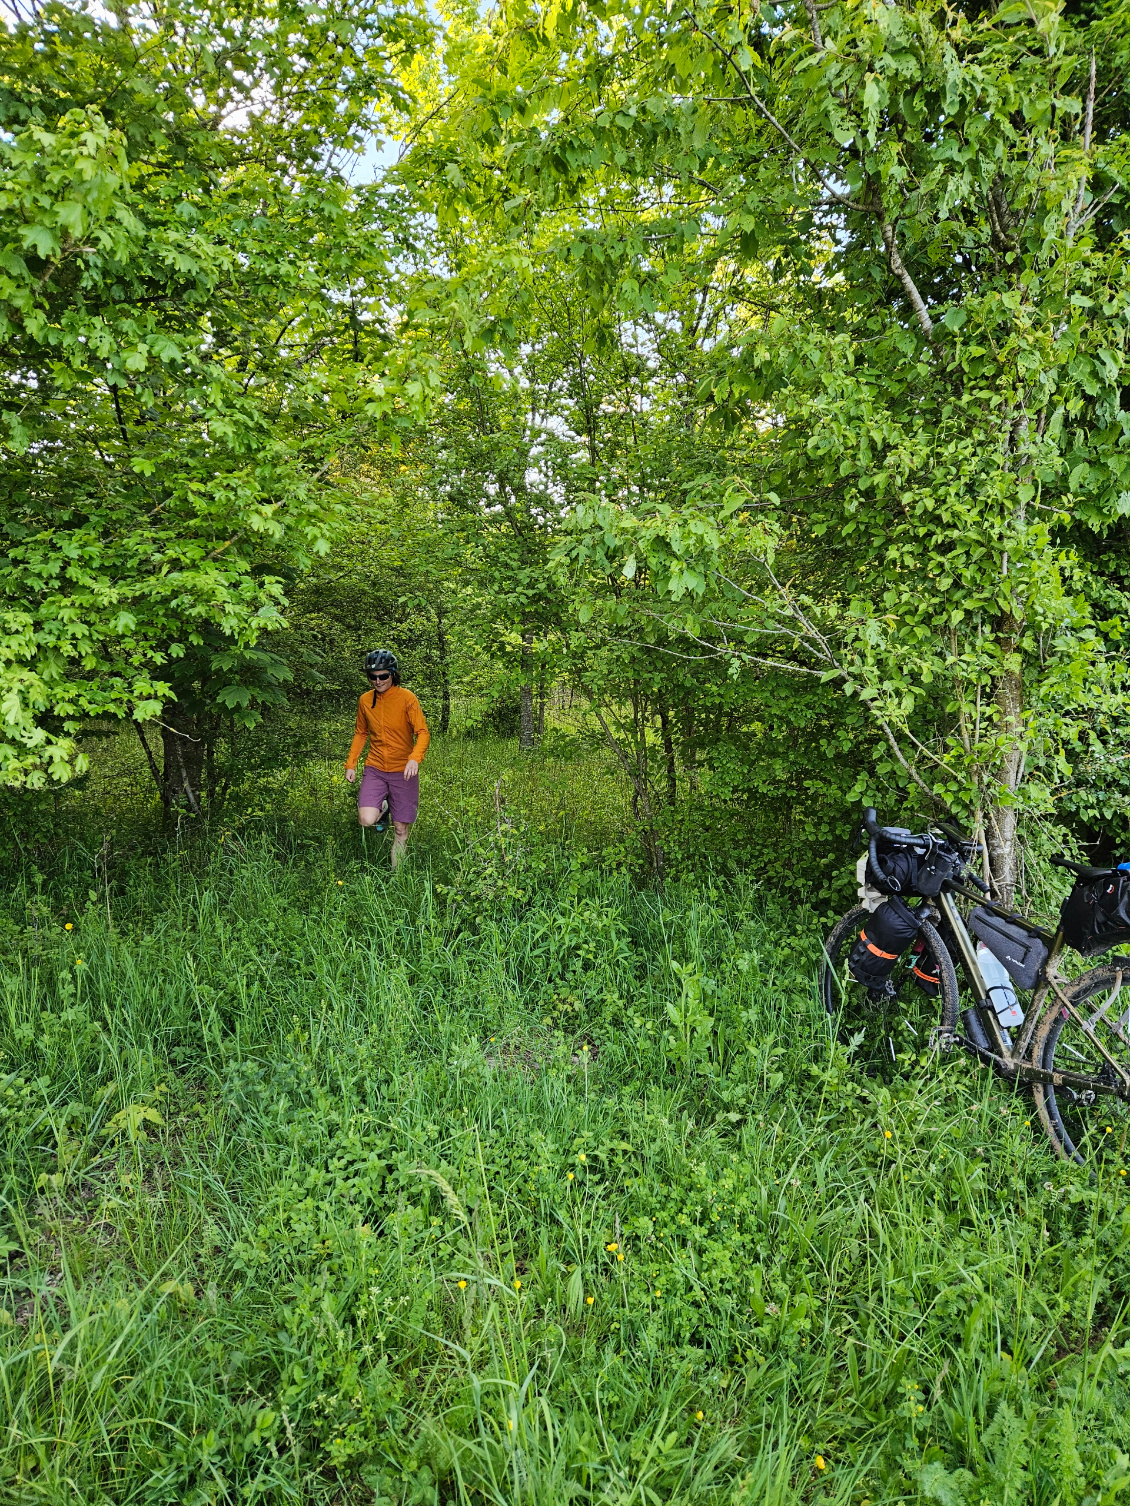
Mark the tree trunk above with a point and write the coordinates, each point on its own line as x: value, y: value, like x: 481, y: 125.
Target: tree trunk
x: 526, y: 713
x: 445, y: 682
x: 637, y: 772
x: 1001, y: 817
x: 668, y: 755
x: 183, y: 745
x: 541, y: 704
x: 210, y: 765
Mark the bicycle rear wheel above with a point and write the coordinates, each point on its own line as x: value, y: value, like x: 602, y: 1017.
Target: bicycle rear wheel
x: 880, y: 1028
x: 1088, y: 1033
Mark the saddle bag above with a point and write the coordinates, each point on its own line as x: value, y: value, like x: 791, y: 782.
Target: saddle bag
x: 1096, y: 914
x: 1021, y: 954
x: 887, y: 933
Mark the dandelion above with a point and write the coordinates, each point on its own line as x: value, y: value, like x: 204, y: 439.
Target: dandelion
x: 1109, y: 1130
x: 698, y: 1416
x: 1027, y: 1124
x: 68, y: 926
x: 589, y: 1301
x: 820, y: 1462
x: 462, y: 1286
x: 517, y: 1285
x: 886, y: 1136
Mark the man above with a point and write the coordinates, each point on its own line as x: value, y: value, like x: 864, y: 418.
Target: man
x: 390, y: 720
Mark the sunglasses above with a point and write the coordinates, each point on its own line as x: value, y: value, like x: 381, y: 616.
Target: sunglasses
x: 385, y: 676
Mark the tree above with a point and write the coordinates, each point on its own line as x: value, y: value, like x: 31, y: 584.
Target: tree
x: 184, y: 352
x: 929, y: 212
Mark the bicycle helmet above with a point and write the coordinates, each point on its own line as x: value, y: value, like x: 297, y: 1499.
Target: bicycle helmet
x: 380, y: 659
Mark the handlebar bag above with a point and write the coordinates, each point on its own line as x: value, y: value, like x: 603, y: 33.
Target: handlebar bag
x: 1022, y: 954
x: 898, y: 870
x: 1096, y: 914
x: 886, y: 934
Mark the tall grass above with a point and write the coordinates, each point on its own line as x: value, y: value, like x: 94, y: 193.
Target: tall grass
x: 504, y: 1179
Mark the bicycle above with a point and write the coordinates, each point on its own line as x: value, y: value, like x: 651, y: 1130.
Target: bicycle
x: 1076, y: 1060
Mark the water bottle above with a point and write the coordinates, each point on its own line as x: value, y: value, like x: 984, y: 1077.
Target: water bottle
x: 1002, y: 995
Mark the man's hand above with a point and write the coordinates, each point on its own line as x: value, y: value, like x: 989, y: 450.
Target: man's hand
x: 411, y: 769
x: 351, y: 775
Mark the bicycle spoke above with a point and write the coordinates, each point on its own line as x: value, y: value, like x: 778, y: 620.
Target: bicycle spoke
x: 1088, y: 1123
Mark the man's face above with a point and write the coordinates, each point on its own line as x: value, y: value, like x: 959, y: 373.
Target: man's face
x: 380, y: 680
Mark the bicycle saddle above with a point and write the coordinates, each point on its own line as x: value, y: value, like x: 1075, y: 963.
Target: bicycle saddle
x: 1082, y: 869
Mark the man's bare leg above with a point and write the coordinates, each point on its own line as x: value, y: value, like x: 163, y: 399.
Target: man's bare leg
x: 399, y: 840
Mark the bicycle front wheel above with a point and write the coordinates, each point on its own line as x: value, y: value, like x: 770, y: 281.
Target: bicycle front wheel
x: 1087, y: 1034
x: 879, y: 1028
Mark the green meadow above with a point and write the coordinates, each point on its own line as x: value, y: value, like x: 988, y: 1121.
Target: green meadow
x: 508, y: 1178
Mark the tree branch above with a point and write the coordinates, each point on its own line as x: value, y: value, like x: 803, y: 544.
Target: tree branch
x: 1088, y: 121
x: 895, y: 262
x: 149, y: 755
x: 909, y: 767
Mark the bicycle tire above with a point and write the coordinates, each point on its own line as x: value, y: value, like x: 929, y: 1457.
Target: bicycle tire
x: 1086, y: 1129
x: 878, y: 1031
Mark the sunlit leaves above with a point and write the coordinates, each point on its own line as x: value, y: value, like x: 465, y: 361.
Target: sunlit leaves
x: 194, y: 310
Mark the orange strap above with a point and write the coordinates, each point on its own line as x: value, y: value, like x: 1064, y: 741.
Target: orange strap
x: 887, y: 956
x: 926, y: 977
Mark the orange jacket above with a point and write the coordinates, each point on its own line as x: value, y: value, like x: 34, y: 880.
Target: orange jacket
x: 395, y: 728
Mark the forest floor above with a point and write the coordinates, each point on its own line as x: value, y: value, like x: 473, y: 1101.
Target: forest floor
x: 508, y: 1178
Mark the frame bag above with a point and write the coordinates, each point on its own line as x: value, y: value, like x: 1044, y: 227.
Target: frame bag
x: 1022, y: 954
x: 887, y: 933
x: 1096, y: 914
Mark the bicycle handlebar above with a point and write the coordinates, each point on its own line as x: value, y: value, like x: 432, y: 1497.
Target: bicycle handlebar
x: 907, y: 838
x: 888, y: 833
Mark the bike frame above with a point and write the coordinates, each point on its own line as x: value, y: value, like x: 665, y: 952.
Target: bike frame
x: 1014, y: 1060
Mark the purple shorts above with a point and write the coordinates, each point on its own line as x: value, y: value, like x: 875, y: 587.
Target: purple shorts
x: 403, y: 795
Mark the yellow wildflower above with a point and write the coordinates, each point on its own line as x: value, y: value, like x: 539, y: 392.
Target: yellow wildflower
x: 820, y: 1461
x: 462, y: 1286
x: 68, y: 926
